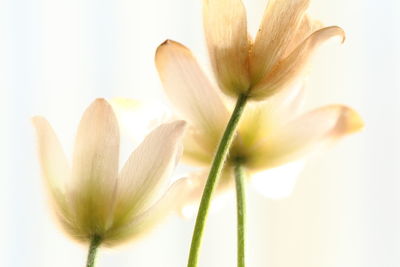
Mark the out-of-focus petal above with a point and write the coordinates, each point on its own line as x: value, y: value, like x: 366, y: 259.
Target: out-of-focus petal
x: 53, y: 162
x: 95, y: 166
x: 286, y: 72
x: 279, y: 182
x: 55, y: 169
x: 140, y: 224
x: 263, y: 117
x: 228, y: 45
x: 189, y: 90
x: 281, y: 21
x: 188, y: 206
x: 304, y: 134
x: 198, y: 150
x: 146, y: 173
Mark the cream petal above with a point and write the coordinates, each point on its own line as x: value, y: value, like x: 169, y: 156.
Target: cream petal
x: 189, y: 203
x: 140, y: 224
x: 304, y: 134
x: 189, y: 90
x: 264, y: 117
x: 197, y: 149
x: 281, y: 22
x: 95, y: 166
x: 193, y: 96
x: 148, y: 169
x: 306, y: 28
x: 53, y: 161
x: 55, y: 169
x: 228, y: 44
x: 286, y: 72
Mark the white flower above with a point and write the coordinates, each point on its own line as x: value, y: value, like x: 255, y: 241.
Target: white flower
x: 271, y: 132
x: 92, y: 198
x: 278, y: 55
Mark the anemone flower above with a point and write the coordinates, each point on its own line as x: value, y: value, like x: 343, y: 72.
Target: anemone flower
x: 278, y: 55
x: 271, y: 133
x: 94, y: 201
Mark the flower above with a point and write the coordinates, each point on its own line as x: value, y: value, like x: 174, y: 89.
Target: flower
x: 91, y: 198
x: 277, y: 56
x: 271, y: 132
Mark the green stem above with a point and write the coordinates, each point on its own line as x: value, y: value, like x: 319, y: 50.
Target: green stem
x: 240, y: 182
x: 94, y: 245
x: 212, y: 179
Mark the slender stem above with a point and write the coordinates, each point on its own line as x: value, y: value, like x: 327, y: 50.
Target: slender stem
x: 240, y: 181
x: 94, y: 245
x: 212, y: 179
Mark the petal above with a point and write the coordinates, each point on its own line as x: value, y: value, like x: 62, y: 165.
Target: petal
x: 188, y: 88
x: 146, y: 173
x: 191, y: 94
x: 139, y: 225
x: 306, y: 28
x: 55, y: 169
x: 137, y: 119
x: 281, y: 21
x: 306, y: 133
x: 53, y: 161
x: 264, y: 117
x: 286, y: 72
x: 189, y: 204
x: 228, y: 45
x: 95, y: 166
x: 197, y: 150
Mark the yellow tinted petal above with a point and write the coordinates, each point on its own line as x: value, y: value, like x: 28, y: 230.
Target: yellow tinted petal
x: 140, y: 224
x: 228, y: 45
x: 95, y: 167
x: 304, y: 134
x: 53, y: 162
x: 55, y: 171
x: 146, y: 173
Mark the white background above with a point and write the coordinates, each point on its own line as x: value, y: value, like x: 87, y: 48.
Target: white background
x: 57, y: 56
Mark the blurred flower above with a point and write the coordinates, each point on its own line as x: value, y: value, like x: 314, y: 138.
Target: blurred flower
x: 271, y: 132
x: 277, y: 56
x: 91, y: 198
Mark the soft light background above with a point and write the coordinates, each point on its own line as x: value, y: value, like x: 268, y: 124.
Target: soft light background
x: 57, y: 56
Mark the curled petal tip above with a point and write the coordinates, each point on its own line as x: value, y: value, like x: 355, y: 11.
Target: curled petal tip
x: 337, y: 31
x: 342, y: 34
x: 353, y: 121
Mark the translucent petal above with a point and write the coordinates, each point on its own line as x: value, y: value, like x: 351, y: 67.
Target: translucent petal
x: 289, y: 70
x: 95, y: 167
x: 281, y: 22
x: 304, y: 134
x: 192, y: 95
x: 146, y: 173
x: 226, y: 34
